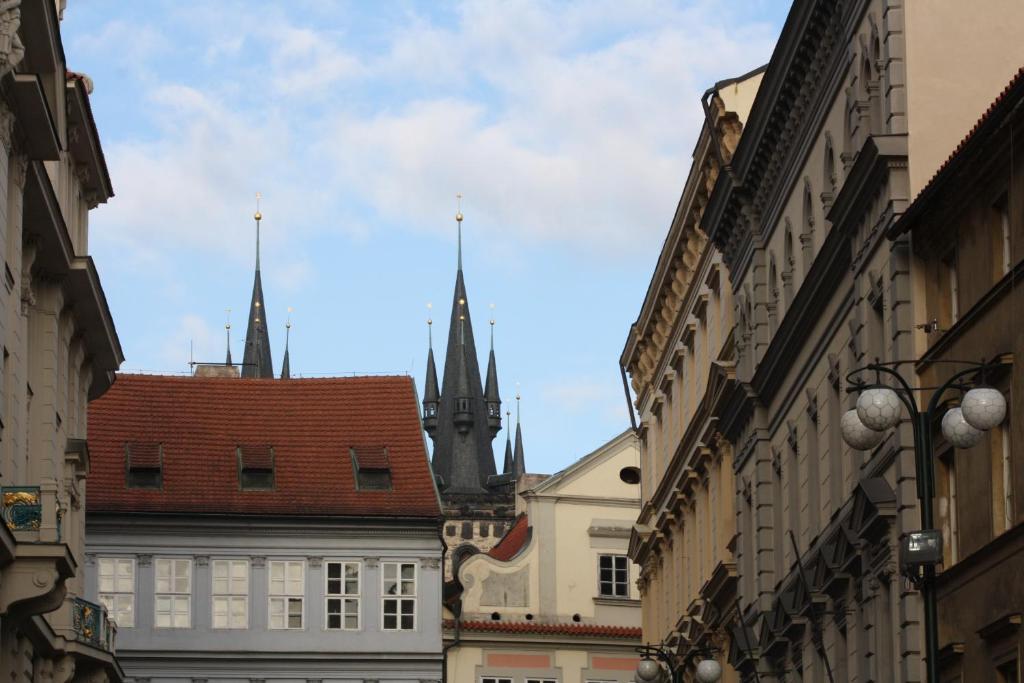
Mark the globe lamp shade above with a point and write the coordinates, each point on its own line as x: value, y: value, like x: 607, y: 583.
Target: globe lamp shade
x: 856, y: 434
x: 709, y: 671
x: 957, y: 431
x: 879, y: 408
x: 984, y: 408
x: 648, y: 671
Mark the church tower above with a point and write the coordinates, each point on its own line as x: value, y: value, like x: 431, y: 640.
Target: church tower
x: 462, y: 416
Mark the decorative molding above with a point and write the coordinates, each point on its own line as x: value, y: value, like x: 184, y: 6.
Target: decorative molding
x: 259, y: 562
x: 315, y: 561
x: 430, y: 562
x: 372, y: 562
x: 202, y: 560
x: 144, y: 560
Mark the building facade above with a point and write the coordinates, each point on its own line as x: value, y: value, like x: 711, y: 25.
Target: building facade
x: 462, y: 415
x: 967, y: 231
x: 259, y: 529
x: 555, y: 601
x: 842, y: 134
x: 60, y: 350
x: 680, y: 356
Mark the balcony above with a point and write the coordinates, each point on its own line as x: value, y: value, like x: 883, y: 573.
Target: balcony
x: 32, y: 513
x: 92, y: 625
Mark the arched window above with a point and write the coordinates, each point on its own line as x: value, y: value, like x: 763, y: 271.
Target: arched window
x: 807, y: 230
x: 829, y: 179
x: 788, y: 265
x: 773, y: 294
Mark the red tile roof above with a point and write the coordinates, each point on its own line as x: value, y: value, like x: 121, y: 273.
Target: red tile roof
x: 513, y: 540
x: 582, y: 630
x: 310, y: 423
x: 1002, y: 106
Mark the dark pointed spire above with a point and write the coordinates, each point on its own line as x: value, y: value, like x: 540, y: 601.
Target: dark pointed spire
x: 518, y: 458
x: 463, y: 459
x: 509, y: 460
x: 286, y: 365
x: 431, y: 396
x: 256, y: 361
x: 491, y: 395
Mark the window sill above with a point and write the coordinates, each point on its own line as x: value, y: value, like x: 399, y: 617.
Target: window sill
x: 616, y: 602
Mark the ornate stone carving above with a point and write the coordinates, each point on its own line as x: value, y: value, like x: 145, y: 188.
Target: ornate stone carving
x: 144, y: 560
x: 259, y: 562
x: 429, y: 562
x: 202, y: 560
x: 12, y: 50
x: 372, y: 562
x: 315, y: 562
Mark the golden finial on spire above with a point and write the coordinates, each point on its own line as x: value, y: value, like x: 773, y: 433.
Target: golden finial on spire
x: 258, y: 216
x: 288, y: 322
x: 430, y: 307
x: 458, y: 209
x: 227, y: 320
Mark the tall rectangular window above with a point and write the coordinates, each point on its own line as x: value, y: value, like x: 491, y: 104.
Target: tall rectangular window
x: 173, y: 593
x: 954, y: 289
x: 117, y: 589
x: 287, y: 593
x: 230, y: 594
x: 398, y: 587
x: 1002, y: 479
x: 613, y: 576
x: 342, y: 595
x: 948, y: 506
x: 495, y: 679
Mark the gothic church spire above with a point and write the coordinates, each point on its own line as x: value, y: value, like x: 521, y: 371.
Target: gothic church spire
x: 256, y: 360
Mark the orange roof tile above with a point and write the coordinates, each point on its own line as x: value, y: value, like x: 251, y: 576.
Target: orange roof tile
x: 310, y: 423
x: 532, y: 627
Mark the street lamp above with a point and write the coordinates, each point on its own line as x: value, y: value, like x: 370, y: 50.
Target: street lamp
x: 659, y: 666
x: 878, y: 410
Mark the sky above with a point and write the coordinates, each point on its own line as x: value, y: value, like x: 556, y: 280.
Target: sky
x: 567, y: 127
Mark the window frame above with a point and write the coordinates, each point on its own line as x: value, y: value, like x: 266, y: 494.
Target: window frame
x: 496, y: 679
x: 357, y: 596
x: 172, y: 594
x: 271, y: 596
x: 613, y: 595
x: 400, y: 597
x: 229, y: 595
x: 115, y: 593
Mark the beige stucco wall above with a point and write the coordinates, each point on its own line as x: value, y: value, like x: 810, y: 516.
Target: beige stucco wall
x: 960, y: 56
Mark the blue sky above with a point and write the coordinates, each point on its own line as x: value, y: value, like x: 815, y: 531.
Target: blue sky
x: 568, y: 128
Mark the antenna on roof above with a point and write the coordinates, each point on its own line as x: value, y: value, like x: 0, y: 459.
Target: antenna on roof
x: 191, y: 356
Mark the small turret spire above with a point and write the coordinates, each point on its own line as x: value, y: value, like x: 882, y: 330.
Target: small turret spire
x: 227, y: 330
x: 491, y: 395
x: 431, y: 395
x: 518, y: 458
x: 509, y: 460
x: 286, y: 365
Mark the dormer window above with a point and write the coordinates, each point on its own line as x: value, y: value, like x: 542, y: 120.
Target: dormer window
x: 255, y: 467
x: 372, y: 468
x: 143, y: 464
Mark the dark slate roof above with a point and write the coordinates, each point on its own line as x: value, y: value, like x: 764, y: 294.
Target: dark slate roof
x: 311, y: 425
x: 519, y: 458
x: 464, y: 460
x: 256, y: 360
x: 509, y: 460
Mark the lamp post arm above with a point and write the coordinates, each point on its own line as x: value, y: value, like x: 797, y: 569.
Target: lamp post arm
x: 953, y: 381
x: 903, y: 391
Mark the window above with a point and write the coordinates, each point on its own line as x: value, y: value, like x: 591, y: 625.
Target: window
x: 255, y: 467
x: 173, y: 594
x: 399, y: 579
x: 342, y: 593
x: 1002, y: 479
x: 144, y: 465
x: 1005, y: 257
x: 287, y: 592
x: 613, y: 579
x: 372, y: 468
x: 541, y: 680
x: 954, y: 290
x: 230, y: 594
x: 492, y: 679
x: 117, y: 589
x: 947, y: 507
x: 1007, y: 672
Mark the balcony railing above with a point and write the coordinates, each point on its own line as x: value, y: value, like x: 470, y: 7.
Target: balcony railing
x: 33, y: 513
x: 22, y: 507
x: 92, y: 625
